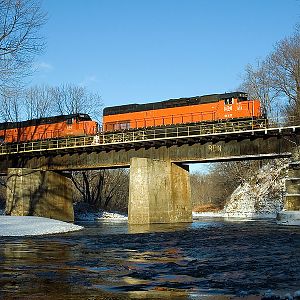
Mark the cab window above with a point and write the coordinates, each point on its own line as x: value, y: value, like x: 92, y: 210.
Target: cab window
x: 228, y: 101
x: 69, y: 121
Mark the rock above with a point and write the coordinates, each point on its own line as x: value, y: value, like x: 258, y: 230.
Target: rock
x: 288, y: 218
x: 288, y: 297
x: 297, y: 295
x: 269, y: 295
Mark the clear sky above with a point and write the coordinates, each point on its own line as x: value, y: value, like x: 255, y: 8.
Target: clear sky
x: 150, y: 50
x: 137, y: 51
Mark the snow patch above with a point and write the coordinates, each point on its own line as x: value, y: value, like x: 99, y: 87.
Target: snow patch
x: 23, y: 226
x: 261, y: 197
x: 109, y: 216
x: 103, y: 216
x: 208, y: 214
x: 286, y: 217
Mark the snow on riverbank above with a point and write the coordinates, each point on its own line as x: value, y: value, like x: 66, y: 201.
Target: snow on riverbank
x: 262, y: 197
x: 238, y: 216
x: 103, y: 216
x: 109, y: 216
x: 208, y: 214
x: 24, y: 226
x: 286, y: 217
x: 27, y: 226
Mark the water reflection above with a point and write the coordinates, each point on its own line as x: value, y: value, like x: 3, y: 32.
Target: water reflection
x: 150, y: 228
x: 28, y: 267
x: 203, y: 260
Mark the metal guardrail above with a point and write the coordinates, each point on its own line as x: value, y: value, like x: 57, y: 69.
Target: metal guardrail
x: 144, y: 135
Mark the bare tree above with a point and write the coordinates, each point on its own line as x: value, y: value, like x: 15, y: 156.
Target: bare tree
x: 38, y: 102
x: 42, y: 101
x: 276, y: 79
x: 20, y: 41
x: 11, y: 107
x: 202, y: 188
x: 103, y: 189
x: 71, y: 99
x: 210, y: 191
x: 258, y: 84
x: 284, y: 64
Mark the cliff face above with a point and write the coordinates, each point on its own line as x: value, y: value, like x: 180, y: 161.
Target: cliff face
x: 261, y: 196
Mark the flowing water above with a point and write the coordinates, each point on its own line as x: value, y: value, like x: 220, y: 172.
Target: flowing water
x: 208, y: 259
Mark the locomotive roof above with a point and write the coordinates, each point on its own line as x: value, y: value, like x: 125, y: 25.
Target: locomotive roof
x: 46, y: 120
x: 127, y: 108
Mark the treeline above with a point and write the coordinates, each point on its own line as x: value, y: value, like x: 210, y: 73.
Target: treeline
x: 101, y: 189
x: 275, y: 80
x: 44, y: 101
x: 210, y: 191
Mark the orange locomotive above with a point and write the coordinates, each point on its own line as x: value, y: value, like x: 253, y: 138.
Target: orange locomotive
x: 208, y: 108
x: 47, y: 128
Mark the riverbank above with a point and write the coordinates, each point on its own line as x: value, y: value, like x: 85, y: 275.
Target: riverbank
x: 291, y: 218
x: 238, y: 215
x: 31, y: 226
x: 101, y: 216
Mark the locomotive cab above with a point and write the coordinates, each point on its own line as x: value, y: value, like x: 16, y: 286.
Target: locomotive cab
x: 236, y: 105
x: 77, y: 118
x: 83, y: 117
x: 78, y: 124
x: 229, y: 98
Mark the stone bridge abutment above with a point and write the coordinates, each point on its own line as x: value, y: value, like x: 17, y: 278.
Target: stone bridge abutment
x: 40, y: 193
x: 291, y: 210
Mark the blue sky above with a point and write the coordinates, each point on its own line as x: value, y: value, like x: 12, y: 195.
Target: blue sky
x: 150, y: 50
x: 137, y: 51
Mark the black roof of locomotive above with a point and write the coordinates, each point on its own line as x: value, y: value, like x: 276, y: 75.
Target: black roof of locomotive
x: 128, y: 108
x: 45, y: 120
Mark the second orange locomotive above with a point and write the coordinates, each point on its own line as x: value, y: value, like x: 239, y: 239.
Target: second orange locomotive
x: 208, y: 108
x: 47, y: 128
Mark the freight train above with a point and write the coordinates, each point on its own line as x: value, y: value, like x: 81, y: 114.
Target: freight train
x: 194, y: 110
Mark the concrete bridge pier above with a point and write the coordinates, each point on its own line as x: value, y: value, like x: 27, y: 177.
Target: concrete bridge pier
x: 291, y: 211
x: 159, y: 192
x: 39, y: 193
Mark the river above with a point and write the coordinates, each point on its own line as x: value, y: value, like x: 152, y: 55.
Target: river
x: 208, y: 259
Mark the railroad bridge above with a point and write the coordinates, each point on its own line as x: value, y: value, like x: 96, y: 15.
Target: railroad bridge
x: 37, y: 172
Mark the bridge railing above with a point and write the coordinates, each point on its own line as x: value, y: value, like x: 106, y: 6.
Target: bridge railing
x: 149, y: 134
